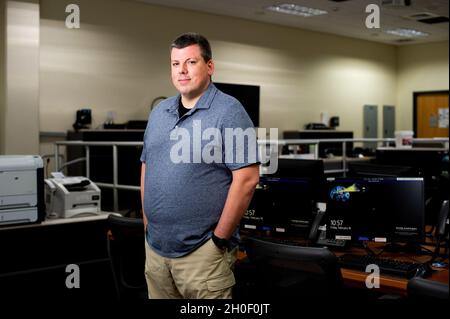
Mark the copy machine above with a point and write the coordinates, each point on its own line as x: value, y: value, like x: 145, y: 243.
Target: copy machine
x: 21, y: 189
x: 67, y: 197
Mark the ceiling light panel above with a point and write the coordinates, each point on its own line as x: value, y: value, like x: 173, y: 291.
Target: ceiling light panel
x: 295, y: 9
x: 407, y: 33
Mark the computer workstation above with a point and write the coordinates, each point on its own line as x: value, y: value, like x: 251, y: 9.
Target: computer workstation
x: 388, y: 211
x: 381, y: 221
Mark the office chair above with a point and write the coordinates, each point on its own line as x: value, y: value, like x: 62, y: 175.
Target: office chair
x: 441, y: 232
x: 292, y: 271
x: 126, y: 251
x: 420, y: 288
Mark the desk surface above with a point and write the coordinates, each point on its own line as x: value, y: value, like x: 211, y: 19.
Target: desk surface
x: 392, y: 284
x: 86, y: 218
x: 59, y: 221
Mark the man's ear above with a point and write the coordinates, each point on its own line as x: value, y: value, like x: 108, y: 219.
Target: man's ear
x: 210, y: 65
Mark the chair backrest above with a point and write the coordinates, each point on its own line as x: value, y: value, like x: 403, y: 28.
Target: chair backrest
x: 293, y: 271
x: 126, y: 251
x: 420, y: 288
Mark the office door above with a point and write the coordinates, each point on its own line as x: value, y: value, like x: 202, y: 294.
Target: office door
x: 370, y: 123
x: 431, y: 114
x: 388, y: 121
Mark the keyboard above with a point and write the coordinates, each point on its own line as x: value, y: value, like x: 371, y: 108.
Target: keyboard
x: 388, y: 266
x: 332, y: 243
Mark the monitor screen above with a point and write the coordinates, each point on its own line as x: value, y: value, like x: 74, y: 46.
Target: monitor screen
x: 281, y: 205
x: 311, y: 170
x: 256, y: 216
x: 248, y: 95
x: 375, y: 209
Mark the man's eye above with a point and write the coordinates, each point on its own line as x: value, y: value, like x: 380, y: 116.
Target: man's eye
x: 192, y: 62
x: 175, y: 64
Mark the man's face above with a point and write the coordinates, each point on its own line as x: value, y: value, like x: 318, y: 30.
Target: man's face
x: 190, y: 73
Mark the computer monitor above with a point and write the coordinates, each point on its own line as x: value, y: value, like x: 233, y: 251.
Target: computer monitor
x: 281, y: 206
x: 248, y: 95
x: 368, y: 169
x: 256, y: 218
x: 313, y: 170
x: 428, y: 162
x: 375, y: 209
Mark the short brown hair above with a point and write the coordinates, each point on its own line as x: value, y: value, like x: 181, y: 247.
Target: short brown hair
x: 191, y: 38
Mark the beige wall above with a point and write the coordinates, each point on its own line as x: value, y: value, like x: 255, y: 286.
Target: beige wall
x: 118, y: 61
x: 421, y: 67
x: 21, y: 108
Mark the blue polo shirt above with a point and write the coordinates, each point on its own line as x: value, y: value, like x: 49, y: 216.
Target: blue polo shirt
x: 189, y: 163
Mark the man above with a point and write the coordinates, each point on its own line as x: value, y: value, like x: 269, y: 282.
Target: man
x: 192, y: 204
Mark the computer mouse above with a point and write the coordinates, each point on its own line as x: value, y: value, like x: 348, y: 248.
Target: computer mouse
x: 423, y: 271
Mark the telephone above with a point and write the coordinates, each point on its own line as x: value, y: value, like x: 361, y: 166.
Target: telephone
x: 317, y: 234
x: 335, y: 243
x: 313, y: 233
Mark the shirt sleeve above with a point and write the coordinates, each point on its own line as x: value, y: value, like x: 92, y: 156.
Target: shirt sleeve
x: 239, y: 138
x: 145, y: 147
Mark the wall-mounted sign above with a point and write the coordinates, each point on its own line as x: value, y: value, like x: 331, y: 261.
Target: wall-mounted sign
x: 443, y: 117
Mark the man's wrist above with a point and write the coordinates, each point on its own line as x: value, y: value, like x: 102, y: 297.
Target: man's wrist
x: 221, y: 243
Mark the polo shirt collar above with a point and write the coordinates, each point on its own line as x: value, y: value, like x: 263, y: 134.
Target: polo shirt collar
x: 203, y: 103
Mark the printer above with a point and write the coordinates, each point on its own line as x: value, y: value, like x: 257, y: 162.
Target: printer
x: 67, y: 197
x: 21, y: 189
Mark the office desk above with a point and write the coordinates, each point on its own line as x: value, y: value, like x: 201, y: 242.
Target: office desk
x: 388, y: 284
x: 34, y: 257
x: 391, y: 284
x: 59, y: 221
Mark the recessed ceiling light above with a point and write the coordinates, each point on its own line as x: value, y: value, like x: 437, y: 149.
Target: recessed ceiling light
x: 295, y: 9
x: 407, y: 33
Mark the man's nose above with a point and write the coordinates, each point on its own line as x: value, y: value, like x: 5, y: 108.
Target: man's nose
x: 183, y: 69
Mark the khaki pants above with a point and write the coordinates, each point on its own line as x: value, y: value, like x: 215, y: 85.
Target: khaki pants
x: 205, y: 273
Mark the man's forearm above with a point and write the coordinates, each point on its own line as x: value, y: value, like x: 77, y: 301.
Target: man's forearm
x: 239, y: 196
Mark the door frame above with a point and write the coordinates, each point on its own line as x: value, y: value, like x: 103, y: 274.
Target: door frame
x: 415, y: 95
